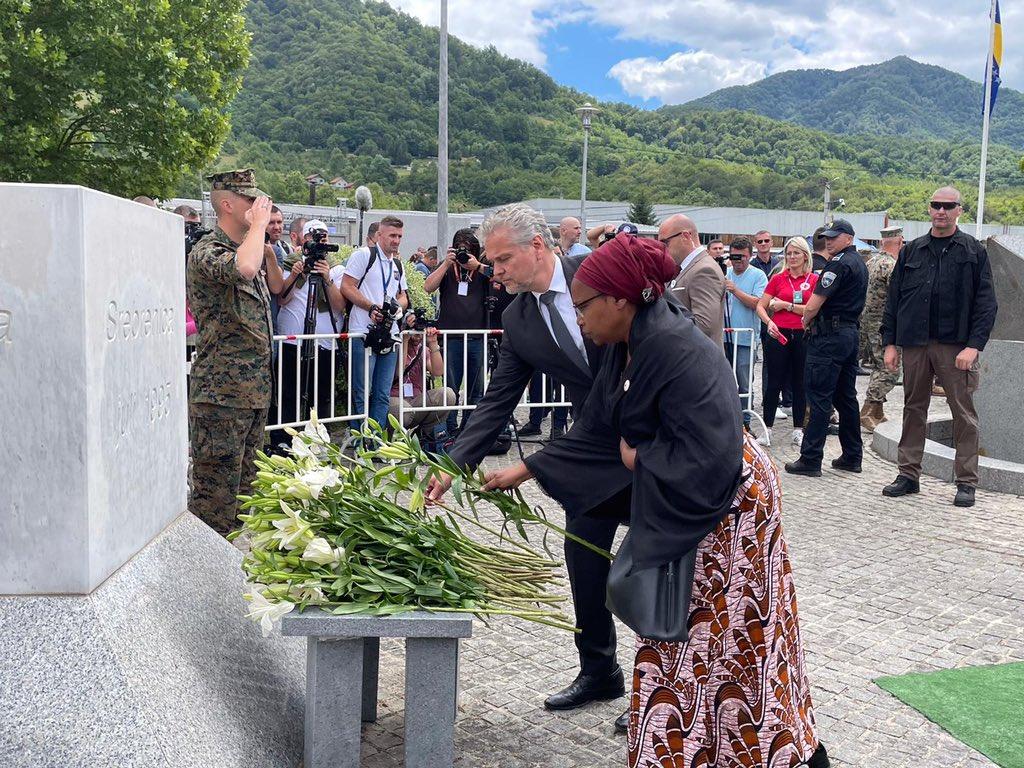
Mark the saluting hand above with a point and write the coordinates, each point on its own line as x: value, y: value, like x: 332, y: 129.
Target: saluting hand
x: 258, y: 215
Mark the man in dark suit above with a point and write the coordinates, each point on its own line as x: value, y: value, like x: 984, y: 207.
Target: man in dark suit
x: 541, y: 335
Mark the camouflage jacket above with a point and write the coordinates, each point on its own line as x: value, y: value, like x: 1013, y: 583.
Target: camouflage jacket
x: 879, y: 270
x: 233, y: 363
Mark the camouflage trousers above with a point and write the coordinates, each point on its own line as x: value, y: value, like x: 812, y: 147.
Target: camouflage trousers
x: 882, y: 379
x: 224, y: 442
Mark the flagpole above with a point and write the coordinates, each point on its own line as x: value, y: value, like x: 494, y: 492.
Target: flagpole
x: 984, y: 128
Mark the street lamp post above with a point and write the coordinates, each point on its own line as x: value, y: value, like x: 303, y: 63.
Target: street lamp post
x: 586, y: 112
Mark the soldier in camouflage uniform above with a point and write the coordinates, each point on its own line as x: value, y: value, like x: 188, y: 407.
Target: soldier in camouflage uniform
x: 231, y: 380
x: 882, y: 379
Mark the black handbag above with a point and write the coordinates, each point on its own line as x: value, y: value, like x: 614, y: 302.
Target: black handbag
x: 653, y: 602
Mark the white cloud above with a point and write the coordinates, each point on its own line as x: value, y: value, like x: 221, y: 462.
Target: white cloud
x: 725, y: 42
x: 683, y: 76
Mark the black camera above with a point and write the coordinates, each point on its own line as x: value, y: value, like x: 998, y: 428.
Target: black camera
x: 316, y: 249
x: 378, y: 335
x: 194, y: 232
x: 420, y: 320
x: 462, y: 255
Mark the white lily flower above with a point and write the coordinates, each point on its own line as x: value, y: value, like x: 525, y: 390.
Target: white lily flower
x: 265, y: 612
x: 311, y: 591
x: 320, y: 551
x: 318, y: 479
x: 315, y: 430
x: 292, y: 530
x: 301, y: 450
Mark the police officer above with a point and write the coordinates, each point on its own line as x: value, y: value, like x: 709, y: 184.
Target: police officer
x: 832, y: 317
x: 231, y: 379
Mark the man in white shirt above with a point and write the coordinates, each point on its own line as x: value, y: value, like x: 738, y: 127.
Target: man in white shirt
x: 374, y: 278
x: 312, y: 377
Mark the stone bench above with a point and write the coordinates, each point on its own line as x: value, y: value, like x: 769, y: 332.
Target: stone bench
x: 342, y: 665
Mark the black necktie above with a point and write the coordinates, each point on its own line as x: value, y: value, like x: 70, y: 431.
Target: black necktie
x: 563, y: 337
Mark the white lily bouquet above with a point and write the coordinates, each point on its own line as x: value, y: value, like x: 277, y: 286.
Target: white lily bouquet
x: 329, y: 530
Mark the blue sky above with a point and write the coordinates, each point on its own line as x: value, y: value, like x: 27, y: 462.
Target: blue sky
x: 670, y: 51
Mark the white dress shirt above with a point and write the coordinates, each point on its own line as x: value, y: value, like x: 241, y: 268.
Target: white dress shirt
x: 563, y: 303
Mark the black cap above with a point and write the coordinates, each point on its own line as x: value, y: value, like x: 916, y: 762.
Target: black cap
x: 629, y: 228
x: 839, y: 227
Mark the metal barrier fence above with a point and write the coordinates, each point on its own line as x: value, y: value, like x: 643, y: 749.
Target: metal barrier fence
x: 553, y: 395
x: 341, y: 356
x: 747, y: 398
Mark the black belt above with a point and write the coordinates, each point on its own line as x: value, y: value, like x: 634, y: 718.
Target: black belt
x: 832, y: 324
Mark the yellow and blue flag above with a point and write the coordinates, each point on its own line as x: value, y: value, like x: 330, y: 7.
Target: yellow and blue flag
x: 997, y: 58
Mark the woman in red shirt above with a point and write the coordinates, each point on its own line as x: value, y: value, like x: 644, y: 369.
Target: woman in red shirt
x: 784, y: 351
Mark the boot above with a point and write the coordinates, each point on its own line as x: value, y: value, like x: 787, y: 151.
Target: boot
x: 871, y: 415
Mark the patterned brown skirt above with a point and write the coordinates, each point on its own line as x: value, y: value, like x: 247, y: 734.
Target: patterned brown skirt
x: 735, y: 693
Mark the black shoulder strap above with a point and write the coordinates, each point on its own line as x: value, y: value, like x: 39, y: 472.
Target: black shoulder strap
x: 373, y: 258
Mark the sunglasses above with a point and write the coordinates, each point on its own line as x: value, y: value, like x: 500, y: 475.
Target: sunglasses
x: 943, y: 206
x: 762, y: 242
x: 737, y: 256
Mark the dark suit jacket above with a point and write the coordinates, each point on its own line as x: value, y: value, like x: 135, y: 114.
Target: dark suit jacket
x: 579, y: 473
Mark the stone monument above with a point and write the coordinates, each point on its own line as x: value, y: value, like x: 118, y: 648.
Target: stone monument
x: 122, y: 623
x: 92, y: 348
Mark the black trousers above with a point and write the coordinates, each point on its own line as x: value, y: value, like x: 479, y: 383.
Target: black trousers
x: 290, y: 402
x: 830, y: 379
x: 588, y: 580
x: 781, y: 364
x: 560, y: 415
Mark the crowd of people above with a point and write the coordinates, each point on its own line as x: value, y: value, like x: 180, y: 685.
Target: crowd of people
x: 653, y: 343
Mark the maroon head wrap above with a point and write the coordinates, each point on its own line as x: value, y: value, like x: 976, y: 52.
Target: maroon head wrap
x: 629, y: 267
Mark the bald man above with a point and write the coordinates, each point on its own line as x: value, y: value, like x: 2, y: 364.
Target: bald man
x: 569, y: 230
x: 939, y: 310
x: 699, y: 286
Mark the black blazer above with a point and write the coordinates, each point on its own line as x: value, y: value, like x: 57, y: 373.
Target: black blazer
x: 577, y: 480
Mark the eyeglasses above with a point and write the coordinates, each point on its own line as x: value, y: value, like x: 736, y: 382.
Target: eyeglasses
x: 583, y: 304
x: 762, y: 242
x: 938, y: 205
x: 664, y: 240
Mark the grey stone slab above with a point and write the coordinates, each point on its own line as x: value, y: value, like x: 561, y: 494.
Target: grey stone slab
x: 318, y: 623
x: 431, y: 690
x: 92, y: 343
x: 158, y: 667
x: 334, y: 672
x: 998, y: 400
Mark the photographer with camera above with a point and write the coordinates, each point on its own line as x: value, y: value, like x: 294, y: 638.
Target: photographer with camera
x: 462, y: 284
x: 412, y: 380
x: 303, y: 269
x: 374, y: 284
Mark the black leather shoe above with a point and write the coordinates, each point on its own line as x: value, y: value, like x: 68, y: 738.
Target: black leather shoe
x: 846, y: 465
x: 820, y: 758
x: 964, y: 495
x: 901, y: 486
x: 557, y: 432
x: 801, y: 467
x: 529, y: 429
x: 587, y: 688
x: 622, y: 722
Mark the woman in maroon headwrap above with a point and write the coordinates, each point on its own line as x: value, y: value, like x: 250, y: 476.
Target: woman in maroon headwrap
x: 735, y: 693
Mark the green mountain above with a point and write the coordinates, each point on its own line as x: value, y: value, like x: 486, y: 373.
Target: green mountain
x: 899, y: 97
x: 349, y: 87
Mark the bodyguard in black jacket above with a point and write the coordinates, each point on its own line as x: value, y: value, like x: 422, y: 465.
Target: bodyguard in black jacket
x: 955, y: 289
x: 940, y: 310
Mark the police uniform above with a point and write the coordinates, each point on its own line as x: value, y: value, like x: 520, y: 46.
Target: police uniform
x: 830, y: 375
x: 231, y: 380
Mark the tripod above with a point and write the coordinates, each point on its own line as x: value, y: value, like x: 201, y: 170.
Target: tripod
x: 308, y: 354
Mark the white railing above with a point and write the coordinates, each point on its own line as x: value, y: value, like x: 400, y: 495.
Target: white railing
x: 552, y: 395
x: 746, y: 398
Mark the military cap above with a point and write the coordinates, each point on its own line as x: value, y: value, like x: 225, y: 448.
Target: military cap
x: 241, y: 182
x: 891, y: 232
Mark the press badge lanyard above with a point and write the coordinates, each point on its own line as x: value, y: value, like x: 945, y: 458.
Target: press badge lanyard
x: 385, y: 283
x: 804, y: 286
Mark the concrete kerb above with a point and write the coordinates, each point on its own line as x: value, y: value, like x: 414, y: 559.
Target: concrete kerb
x: 993, y: 474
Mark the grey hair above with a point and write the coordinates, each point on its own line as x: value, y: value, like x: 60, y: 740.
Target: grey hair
x: 522, y: 221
